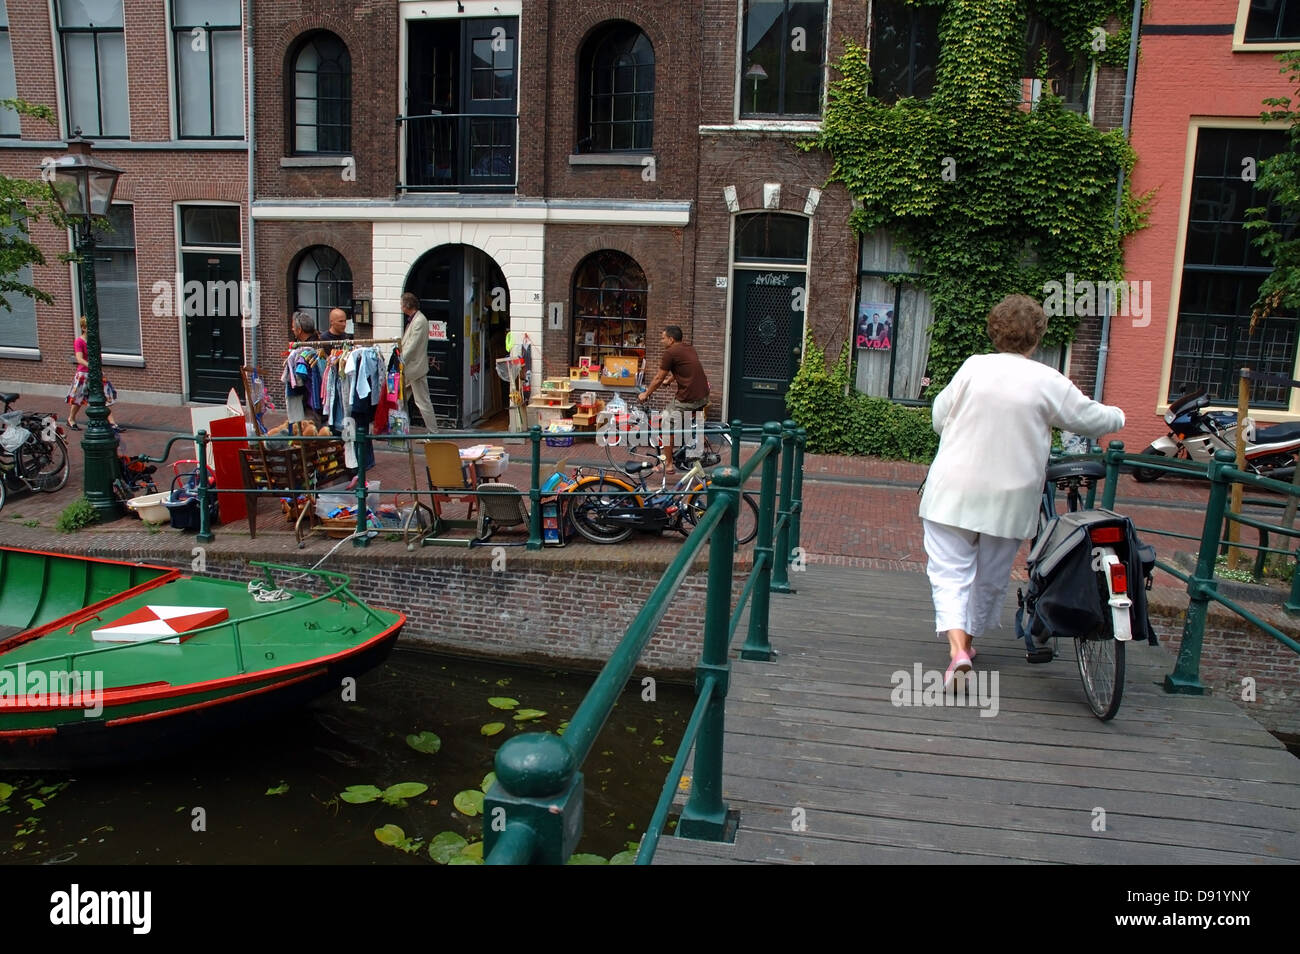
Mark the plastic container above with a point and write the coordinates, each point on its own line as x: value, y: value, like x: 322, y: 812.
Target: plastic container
x: 338, y: 496
x: 150, y: 507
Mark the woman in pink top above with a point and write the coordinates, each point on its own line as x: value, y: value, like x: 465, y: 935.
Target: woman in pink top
x: 78, y: 393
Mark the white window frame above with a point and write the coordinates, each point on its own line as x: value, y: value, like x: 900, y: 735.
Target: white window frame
x: 116, y: 358
x: 174, y: 79
x: 785, y: 125
x: 1239, y: 44
x: 60, y: 84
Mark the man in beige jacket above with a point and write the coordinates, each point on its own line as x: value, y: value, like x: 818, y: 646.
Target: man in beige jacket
x: 415, y: 360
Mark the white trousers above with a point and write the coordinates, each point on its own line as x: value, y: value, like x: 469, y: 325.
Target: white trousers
x: 419, y: 390
x: 969, y: 575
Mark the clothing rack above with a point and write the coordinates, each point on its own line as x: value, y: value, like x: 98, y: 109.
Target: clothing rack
x: 338, y: 342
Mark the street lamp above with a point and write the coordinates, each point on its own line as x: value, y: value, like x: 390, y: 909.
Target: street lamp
x: 84, y: 189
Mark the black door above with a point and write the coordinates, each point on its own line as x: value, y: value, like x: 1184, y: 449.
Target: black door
x: 438, y: 281
x: 489, y: 98
x: 766, y: 342
x: 214, y: 339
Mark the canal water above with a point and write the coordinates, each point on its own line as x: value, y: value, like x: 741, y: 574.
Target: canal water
x: 271, y: 793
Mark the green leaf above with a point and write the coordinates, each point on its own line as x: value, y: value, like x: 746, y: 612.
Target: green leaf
x: 469, y: 802
x: 503, y: 702
x: 465, y: 860
x: 523, y: 715
x: 445, y: 846
x: 425, y: 742
x: 488, y: 779
x: 360, y: 794
x: 36, y: 803
x: 390, y: 835
x: 278, y: 789
x: 473, y: 850
x: 5, y: 790
x: 397, y: 794
x: 492, y: 728
x: 624, y: 858
x: 584, y: 859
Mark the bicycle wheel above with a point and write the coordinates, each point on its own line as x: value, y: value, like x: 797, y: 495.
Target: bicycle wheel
x: 43, y: 464
x: 746, y: 517
x: 586, y: 511
x: 1101, y: 663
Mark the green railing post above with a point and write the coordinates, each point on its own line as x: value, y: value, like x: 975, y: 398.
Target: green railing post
x: 1292, y: 604
x: 360, y: 538
x: 1186, y: 677
x: 533, y: 815
x: 205, y: 532
x: 796, y: 493
x: 737, y: 430
x: 757, y: 645
x: 705, y: 814
x: 1114, y: 453
x: 535, y: 489
x: 781, y: 556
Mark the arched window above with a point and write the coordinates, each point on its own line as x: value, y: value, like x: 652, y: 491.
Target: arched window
x: 616, y: 90
x: 609, y: 307
x: 321, y: 104
x: 321, y: 280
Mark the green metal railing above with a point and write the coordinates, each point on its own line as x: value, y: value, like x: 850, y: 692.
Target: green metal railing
x: 1201, y: 585
x: 533, y: 813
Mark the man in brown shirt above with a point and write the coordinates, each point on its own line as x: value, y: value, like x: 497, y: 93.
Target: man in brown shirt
x: 681, y: 361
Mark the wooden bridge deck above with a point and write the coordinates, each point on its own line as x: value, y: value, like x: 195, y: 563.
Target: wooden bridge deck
x: 1181, y: 779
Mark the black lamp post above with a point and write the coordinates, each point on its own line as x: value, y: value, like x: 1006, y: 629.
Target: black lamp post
x: 84, y: 189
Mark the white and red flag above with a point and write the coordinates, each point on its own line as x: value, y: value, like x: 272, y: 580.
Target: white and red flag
x: 149, y: 622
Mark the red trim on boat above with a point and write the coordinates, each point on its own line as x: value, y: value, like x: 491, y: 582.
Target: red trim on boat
x: 24, y: 733
x: 210, y: 703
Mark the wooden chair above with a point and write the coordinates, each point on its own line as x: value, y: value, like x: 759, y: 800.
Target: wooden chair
x: 297, y: 469
x: 447, y: 475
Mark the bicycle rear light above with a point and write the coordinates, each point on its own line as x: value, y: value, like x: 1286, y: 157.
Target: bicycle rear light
x: 1118, y: 578
x: 1101, y: 535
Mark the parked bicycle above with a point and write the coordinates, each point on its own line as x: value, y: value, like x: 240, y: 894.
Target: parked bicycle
x: 619, y: 500
x: 33, y: 451
x: 1080, y: 567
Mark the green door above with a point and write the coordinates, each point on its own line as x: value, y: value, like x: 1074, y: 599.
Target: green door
x: 766, y: 342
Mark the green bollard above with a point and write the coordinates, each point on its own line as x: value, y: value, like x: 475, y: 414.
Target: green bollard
x: 535, y: 489
x: 757, y: 645
x: 205, y: 532
x: 359, y: 537
x: 705, y: 814
x: 1292, y: 604
x: 533, y: 814
x: 1186, y: 677
x: 1114, y: 454
x: 796, y: 496
x: 781, y: 556
x: 737, y: 430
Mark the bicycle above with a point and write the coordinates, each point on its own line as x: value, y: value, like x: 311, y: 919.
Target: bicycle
x: 33, y: 451
x: 1070, y: 555
x: 612, y: 507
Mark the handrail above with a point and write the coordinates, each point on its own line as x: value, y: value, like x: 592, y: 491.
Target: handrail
x: 532, y: 813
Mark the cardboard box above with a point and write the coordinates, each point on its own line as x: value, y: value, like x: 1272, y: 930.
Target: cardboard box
x: 619, y: 372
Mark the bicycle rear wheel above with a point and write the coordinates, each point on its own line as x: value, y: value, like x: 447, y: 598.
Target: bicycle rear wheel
x: 586, y: 512
x: 746, y: 516
x: 43, y: 464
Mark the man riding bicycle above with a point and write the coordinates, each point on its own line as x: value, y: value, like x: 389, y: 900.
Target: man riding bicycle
x: 679, y: 360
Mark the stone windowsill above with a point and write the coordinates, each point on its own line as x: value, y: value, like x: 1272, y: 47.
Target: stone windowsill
x: 610, y: 158
x: 315, y: 162
x: 22, y: 354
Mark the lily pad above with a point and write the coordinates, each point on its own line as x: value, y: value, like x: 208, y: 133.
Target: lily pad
x: 488, y: 779
x: 397, y: 794
x: 446, y: 846
x: 503, y: 702
x: 473, y: 850
x: 360, y: 794
x: 465, y: 860
x: 5, y: 790
x: 425, y: 742
x: 390, y: 835
x: 523, y: 715
x: 469, y: 802
x: 492, y: 728
x: 624, y: 858
x: 278, y: 789
x: 583, y: 859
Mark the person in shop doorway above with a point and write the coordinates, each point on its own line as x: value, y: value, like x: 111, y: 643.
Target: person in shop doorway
x: 415, y: 360
x: 679, y: 360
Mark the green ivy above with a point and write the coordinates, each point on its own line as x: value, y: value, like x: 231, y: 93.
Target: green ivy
x: 1030, y: 196
x: 1279, y: 181
x: 856, y: 425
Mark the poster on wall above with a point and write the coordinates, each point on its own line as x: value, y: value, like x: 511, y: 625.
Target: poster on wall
x: 875, y: 326
x: 437, y: 331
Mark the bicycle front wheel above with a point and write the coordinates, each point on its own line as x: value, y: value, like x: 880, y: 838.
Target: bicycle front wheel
x: 589, y: 513
x: 746, y: 517
x: 1101, y: 668
x: 43, y: 464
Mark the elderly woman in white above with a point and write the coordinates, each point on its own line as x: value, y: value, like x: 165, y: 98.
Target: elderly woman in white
x: 981, y: 497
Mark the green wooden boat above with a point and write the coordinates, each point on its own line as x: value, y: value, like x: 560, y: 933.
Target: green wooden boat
x: 103, y: 661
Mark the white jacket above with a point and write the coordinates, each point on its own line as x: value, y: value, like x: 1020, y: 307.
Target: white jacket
x: 994, y: 422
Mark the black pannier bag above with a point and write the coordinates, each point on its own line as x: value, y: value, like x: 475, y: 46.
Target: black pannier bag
x: 1063, y: 596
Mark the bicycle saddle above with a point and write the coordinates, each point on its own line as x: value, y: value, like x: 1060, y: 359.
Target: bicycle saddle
x: 1076, y: 468
x: 9, y: 398
x: 636, y: 466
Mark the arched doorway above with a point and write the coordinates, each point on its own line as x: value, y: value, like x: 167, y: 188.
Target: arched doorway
x: 464, y: 295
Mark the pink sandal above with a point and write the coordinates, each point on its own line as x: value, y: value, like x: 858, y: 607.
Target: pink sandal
x: 960, y: 664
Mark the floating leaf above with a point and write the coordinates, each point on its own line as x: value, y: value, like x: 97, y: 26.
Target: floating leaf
x: 465, y: 860
x: 5, y: 790
x: 397, y: 794
x: 656, y: 741
x: 503, y: 702
x: 446, y: 846
x: 624, y: 858
x: 425, y: 742
x: 360, y: 794
x: 469, y: 802
x: 630, y: 728
x: 390, y: 835
x: 488, y: 779
x: 666, y: 759
x: 36, y: 803
x: 473, y: 850
x: 586, y: 860
x: 279, y: 789
x: 523, y: 715
x: 503, y: 682
x: 492, y: 728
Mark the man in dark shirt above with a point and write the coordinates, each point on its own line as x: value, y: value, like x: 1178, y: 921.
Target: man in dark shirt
x: 338, y: 326
x: 681, y: 361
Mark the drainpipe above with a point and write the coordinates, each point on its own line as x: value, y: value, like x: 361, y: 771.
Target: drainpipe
x: 1100, y: 386
x: 255, y: 304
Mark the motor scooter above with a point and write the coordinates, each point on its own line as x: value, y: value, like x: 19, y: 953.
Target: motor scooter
x: 1196, y: 434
